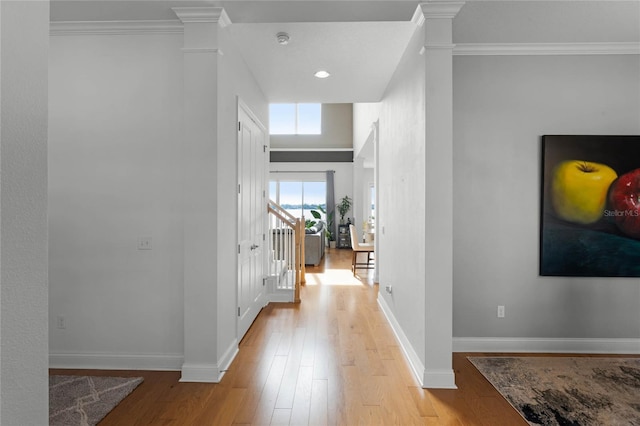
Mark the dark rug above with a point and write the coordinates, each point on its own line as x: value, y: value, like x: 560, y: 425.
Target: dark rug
x: 85, y: 400
x: 568, y: 391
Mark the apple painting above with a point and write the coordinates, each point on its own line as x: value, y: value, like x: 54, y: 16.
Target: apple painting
x: 590, y: 206
x: 579, y: 190
x: 624, y: 200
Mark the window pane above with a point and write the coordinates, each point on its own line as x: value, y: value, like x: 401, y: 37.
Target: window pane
x: 273, y: 191
x: 309, y: 119
x: 282, y: 119
x: 291, y: 197
x: 315, y: 196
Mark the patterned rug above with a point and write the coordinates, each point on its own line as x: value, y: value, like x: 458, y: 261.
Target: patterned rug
x: 85, y: 400
x: 568, y: 391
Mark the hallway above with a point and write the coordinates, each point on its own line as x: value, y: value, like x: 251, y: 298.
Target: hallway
x: 333, y: 359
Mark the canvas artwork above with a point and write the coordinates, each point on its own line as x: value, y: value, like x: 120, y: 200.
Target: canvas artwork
x: 590, y: 207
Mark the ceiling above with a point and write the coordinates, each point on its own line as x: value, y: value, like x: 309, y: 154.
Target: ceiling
x: 361, y: 57
x: 360, y: 42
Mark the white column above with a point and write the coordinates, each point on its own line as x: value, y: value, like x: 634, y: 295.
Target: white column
x: 201, y: 55
x: 437, y: 18
x: 24, y: 348
x: 358, y: 194
x: 375, y: 128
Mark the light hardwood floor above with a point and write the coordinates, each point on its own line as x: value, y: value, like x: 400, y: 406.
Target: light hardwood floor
x: 332, y: 359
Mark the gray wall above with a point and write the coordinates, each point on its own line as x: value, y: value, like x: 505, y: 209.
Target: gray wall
x: 502, y: 106
x: 115, y: 134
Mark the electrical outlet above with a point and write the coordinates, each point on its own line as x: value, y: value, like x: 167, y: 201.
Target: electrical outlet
x: 389, y: 289
x: 144, y: 243
x: 500, y: 311
x: 61, y: 322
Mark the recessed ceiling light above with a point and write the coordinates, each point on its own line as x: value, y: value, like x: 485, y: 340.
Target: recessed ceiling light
x: 282, y: 38
x: 322, y: 74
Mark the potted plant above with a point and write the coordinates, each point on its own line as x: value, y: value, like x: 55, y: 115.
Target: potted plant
x: 329, y: 232
x: 329, y: 220
x: 344, y: 207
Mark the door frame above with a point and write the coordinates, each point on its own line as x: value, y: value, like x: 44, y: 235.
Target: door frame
x: 241, y: 105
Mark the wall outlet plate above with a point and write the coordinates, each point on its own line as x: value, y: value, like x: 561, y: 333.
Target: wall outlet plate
x: 144, y: 243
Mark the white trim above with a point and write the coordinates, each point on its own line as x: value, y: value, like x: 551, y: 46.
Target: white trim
x: 201, y: 50
x: 227, y: 358
x: 439, y: 379
x: 210, y: 373
x: 70, y: 28
x: 312, y: 149
x: 412, y: 357
x: 434, y: 9
x: 499, y: 49
x: 544, y: 345
x: 418, y: 17
x: 202, y: 15
x: 280, y: 297
x: 109, y: 361
x: 428, y: 378
x: 200, y: 373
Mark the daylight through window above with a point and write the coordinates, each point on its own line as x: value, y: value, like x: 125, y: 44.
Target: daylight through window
x: 300, y: 196
x: 295, y: 119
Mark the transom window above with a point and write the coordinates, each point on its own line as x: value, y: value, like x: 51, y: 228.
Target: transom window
x: 295, y: 119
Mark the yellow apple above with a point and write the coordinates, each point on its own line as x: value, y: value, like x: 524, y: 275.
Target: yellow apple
x: 579, y: 190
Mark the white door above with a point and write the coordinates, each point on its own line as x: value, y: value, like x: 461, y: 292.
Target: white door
x: 251, y: 217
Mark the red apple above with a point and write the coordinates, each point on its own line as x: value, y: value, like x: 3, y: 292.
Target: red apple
x: 624, y: 200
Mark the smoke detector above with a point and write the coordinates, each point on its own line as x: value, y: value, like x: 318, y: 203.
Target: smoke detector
x: 283, y: 38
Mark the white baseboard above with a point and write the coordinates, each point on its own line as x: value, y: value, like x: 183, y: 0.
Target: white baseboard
x: 414, y: 361
x: 107, y: 361
x: 227, y: 358
x: 210, y: 373
x: 285, y: 297
x: 546, y: 345
x: 428, y: 378
x: 439, y: 379
x: 200, y: 373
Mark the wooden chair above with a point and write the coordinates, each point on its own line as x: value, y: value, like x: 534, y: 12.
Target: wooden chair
x: 359, y: 247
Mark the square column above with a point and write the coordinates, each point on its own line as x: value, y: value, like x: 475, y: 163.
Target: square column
x: 437, y: 19
x: 24, y: 291
x: 201, y: 55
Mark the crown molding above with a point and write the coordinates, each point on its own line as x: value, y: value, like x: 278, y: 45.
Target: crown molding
x: 442, y: 9
x: 202, y: 50
x: 532, y: 49
x: 202, y: 15
x: 62, y: 28
x: 311, y: 149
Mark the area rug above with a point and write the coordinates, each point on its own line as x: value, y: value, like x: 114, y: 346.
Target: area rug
x: 572, y: 391
x: 85, y: 400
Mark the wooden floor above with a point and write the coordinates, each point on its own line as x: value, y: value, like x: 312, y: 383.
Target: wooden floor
x: 332, y: 359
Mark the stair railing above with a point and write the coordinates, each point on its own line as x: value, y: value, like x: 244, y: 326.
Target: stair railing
x: 286, y: 248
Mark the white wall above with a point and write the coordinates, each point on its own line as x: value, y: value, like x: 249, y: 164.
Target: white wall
x: 502, y: 106
x: 337, y: 131
x: 400, y: 221
x: 364, y: 115
x: 24, y: 30
x: 115, y: 175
